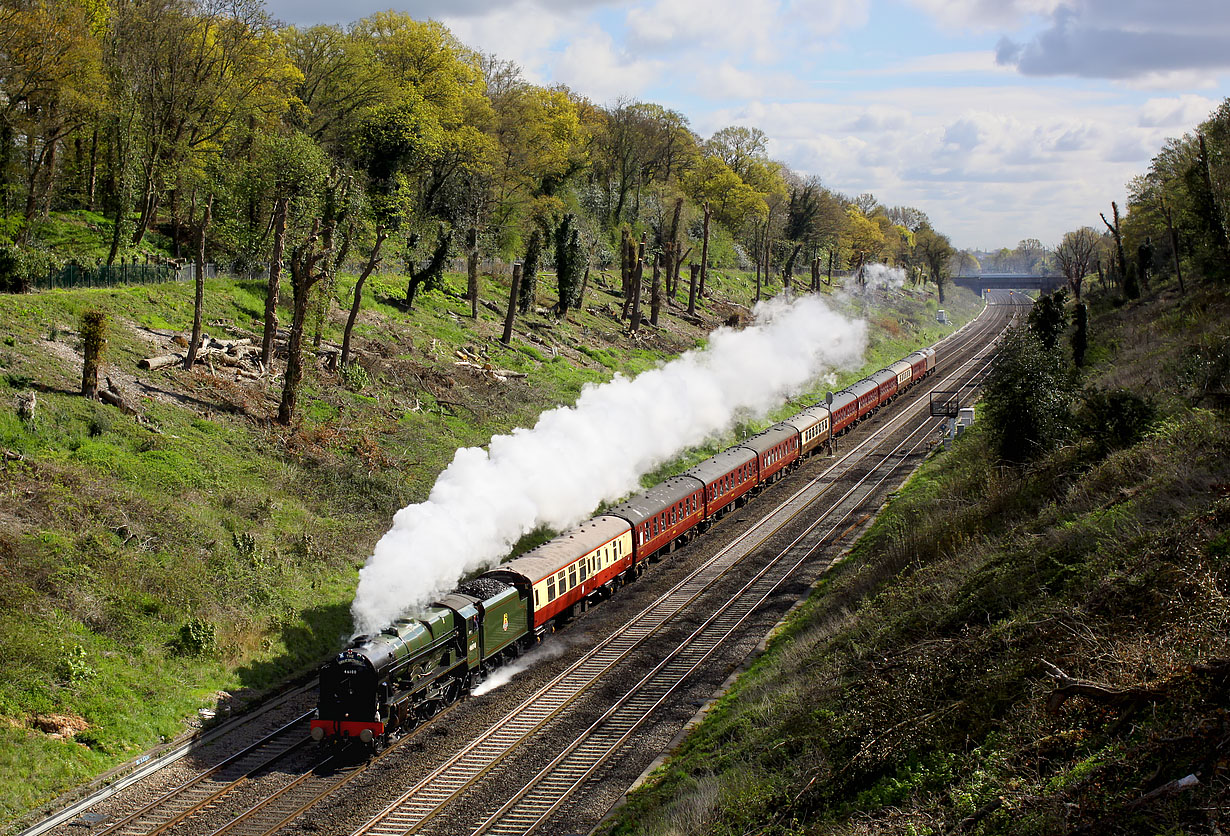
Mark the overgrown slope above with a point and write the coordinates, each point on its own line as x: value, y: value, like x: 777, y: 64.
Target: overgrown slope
x: 1038, y: 649
x: 150, y: 568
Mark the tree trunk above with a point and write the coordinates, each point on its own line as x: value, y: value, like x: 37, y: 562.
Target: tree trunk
x: 511, y: 316
x: 692, y: 289
x: 655, y: 291
x: 91, y: 179
x: 199, y: 304
x: 829, y: 280
x: 757, y: 277
x: 1114, y: 230
x: 675, y: 248
x: 372, y: 261
x: 1174, y: 244
x: 275, y: 278
x: 303, y: 276
x: 638, y: 271
x: 628, y: 271
x: 704, y: 253
x: 472, y: 271
x: 294, y: 352
x: 94, y: 339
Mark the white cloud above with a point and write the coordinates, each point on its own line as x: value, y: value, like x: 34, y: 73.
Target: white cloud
x: 1179, y: 112
x: 984, y: 14
x: 595, y: 65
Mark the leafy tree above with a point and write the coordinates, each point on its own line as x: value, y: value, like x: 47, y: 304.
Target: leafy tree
x: 1048, y: 318
x: 864, y: 240
x: 1027, y: 398
x: 738, y: 147
x: 936, y: 252
x: 529, y: 272
x: 570, y: 264
x: 1080, y: 336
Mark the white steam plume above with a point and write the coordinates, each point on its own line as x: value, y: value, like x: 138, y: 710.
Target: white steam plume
x: 580, y: 456
x: 876, y: 276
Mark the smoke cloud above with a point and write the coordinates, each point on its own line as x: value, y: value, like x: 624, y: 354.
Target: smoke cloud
x: 503, y: 676
x: 579, y: 456
x: 876, y: 277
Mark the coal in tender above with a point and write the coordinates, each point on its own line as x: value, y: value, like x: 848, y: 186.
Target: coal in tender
x: 483, y: 588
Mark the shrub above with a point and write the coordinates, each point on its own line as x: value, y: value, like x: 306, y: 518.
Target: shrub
x: 356, y: 377
x: 1114, y: 419
x: 196, y: 637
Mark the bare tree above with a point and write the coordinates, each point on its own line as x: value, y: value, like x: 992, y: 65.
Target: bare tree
x: 1075, y: 255
x: 305, y: 272
x: 373, y: 261
x: 199, y: 303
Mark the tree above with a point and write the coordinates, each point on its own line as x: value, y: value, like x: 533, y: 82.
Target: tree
x: 529, y: 273
x: 1048, y: 318
x: 93, y: 341
x: 425, y: 275
x: 199, y: 297
x: 1027, y: 398
x: 373, y: 261
x: 570, y: 264
x: 51, y: 85
x: 738, y: 147
x: 1080, y: 336
x: 1075, y: 255
x: 305, y: 272
x: 203, y: 67
x: 936, y: 252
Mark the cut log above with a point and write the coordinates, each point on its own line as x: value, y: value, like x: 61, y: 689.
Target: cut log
x: 161, y: 361
x: 113, y: 396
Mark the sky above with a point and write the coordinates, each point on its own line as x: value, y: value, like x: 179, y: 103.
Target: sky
x: 1001, y: 119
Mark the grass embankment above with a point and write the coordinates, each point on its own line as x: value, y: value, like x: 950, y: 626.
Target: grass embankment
x: 912, y: 693
x: 151, y: 569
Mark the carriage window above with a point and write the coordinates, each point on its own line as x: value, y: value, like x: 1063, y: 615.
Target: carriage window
x: 536, y: 604
x: 572, y: 576
x: 551, y: 589
x: 559, y: 581
x: 584, y: 568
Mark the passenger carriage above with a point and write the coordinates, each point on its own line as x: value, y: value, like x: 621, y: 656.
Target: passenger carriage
x: 812, y: 425
x: 664, y: 516
x: 866, y: 392
x: 562, y: 576
x: 844, y: 410
x: 904, y: 373
x: 886, y: 386
x: 727, y: 477
x: 776, y: 449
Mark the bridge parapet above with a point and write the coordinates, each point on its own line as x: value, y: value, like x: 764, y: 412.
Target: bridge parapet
x: 1002, y: 281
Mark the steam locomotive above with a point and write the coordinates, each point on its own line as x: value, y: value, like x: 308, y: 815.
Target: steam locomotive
x: 382, y: 685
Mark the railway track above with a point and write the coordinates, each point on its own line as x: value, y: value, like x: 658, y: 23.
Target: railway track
x: 196, y: 794
x: 582, y: 760
x: 430, y: 795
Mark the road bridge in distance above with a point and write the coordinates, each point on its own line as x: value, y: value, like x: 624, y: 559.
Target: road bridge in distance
x: 1010, y: 281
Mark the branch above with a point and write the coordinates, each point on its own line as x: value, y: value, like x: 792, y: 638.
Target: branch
x: 1067, y: 686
